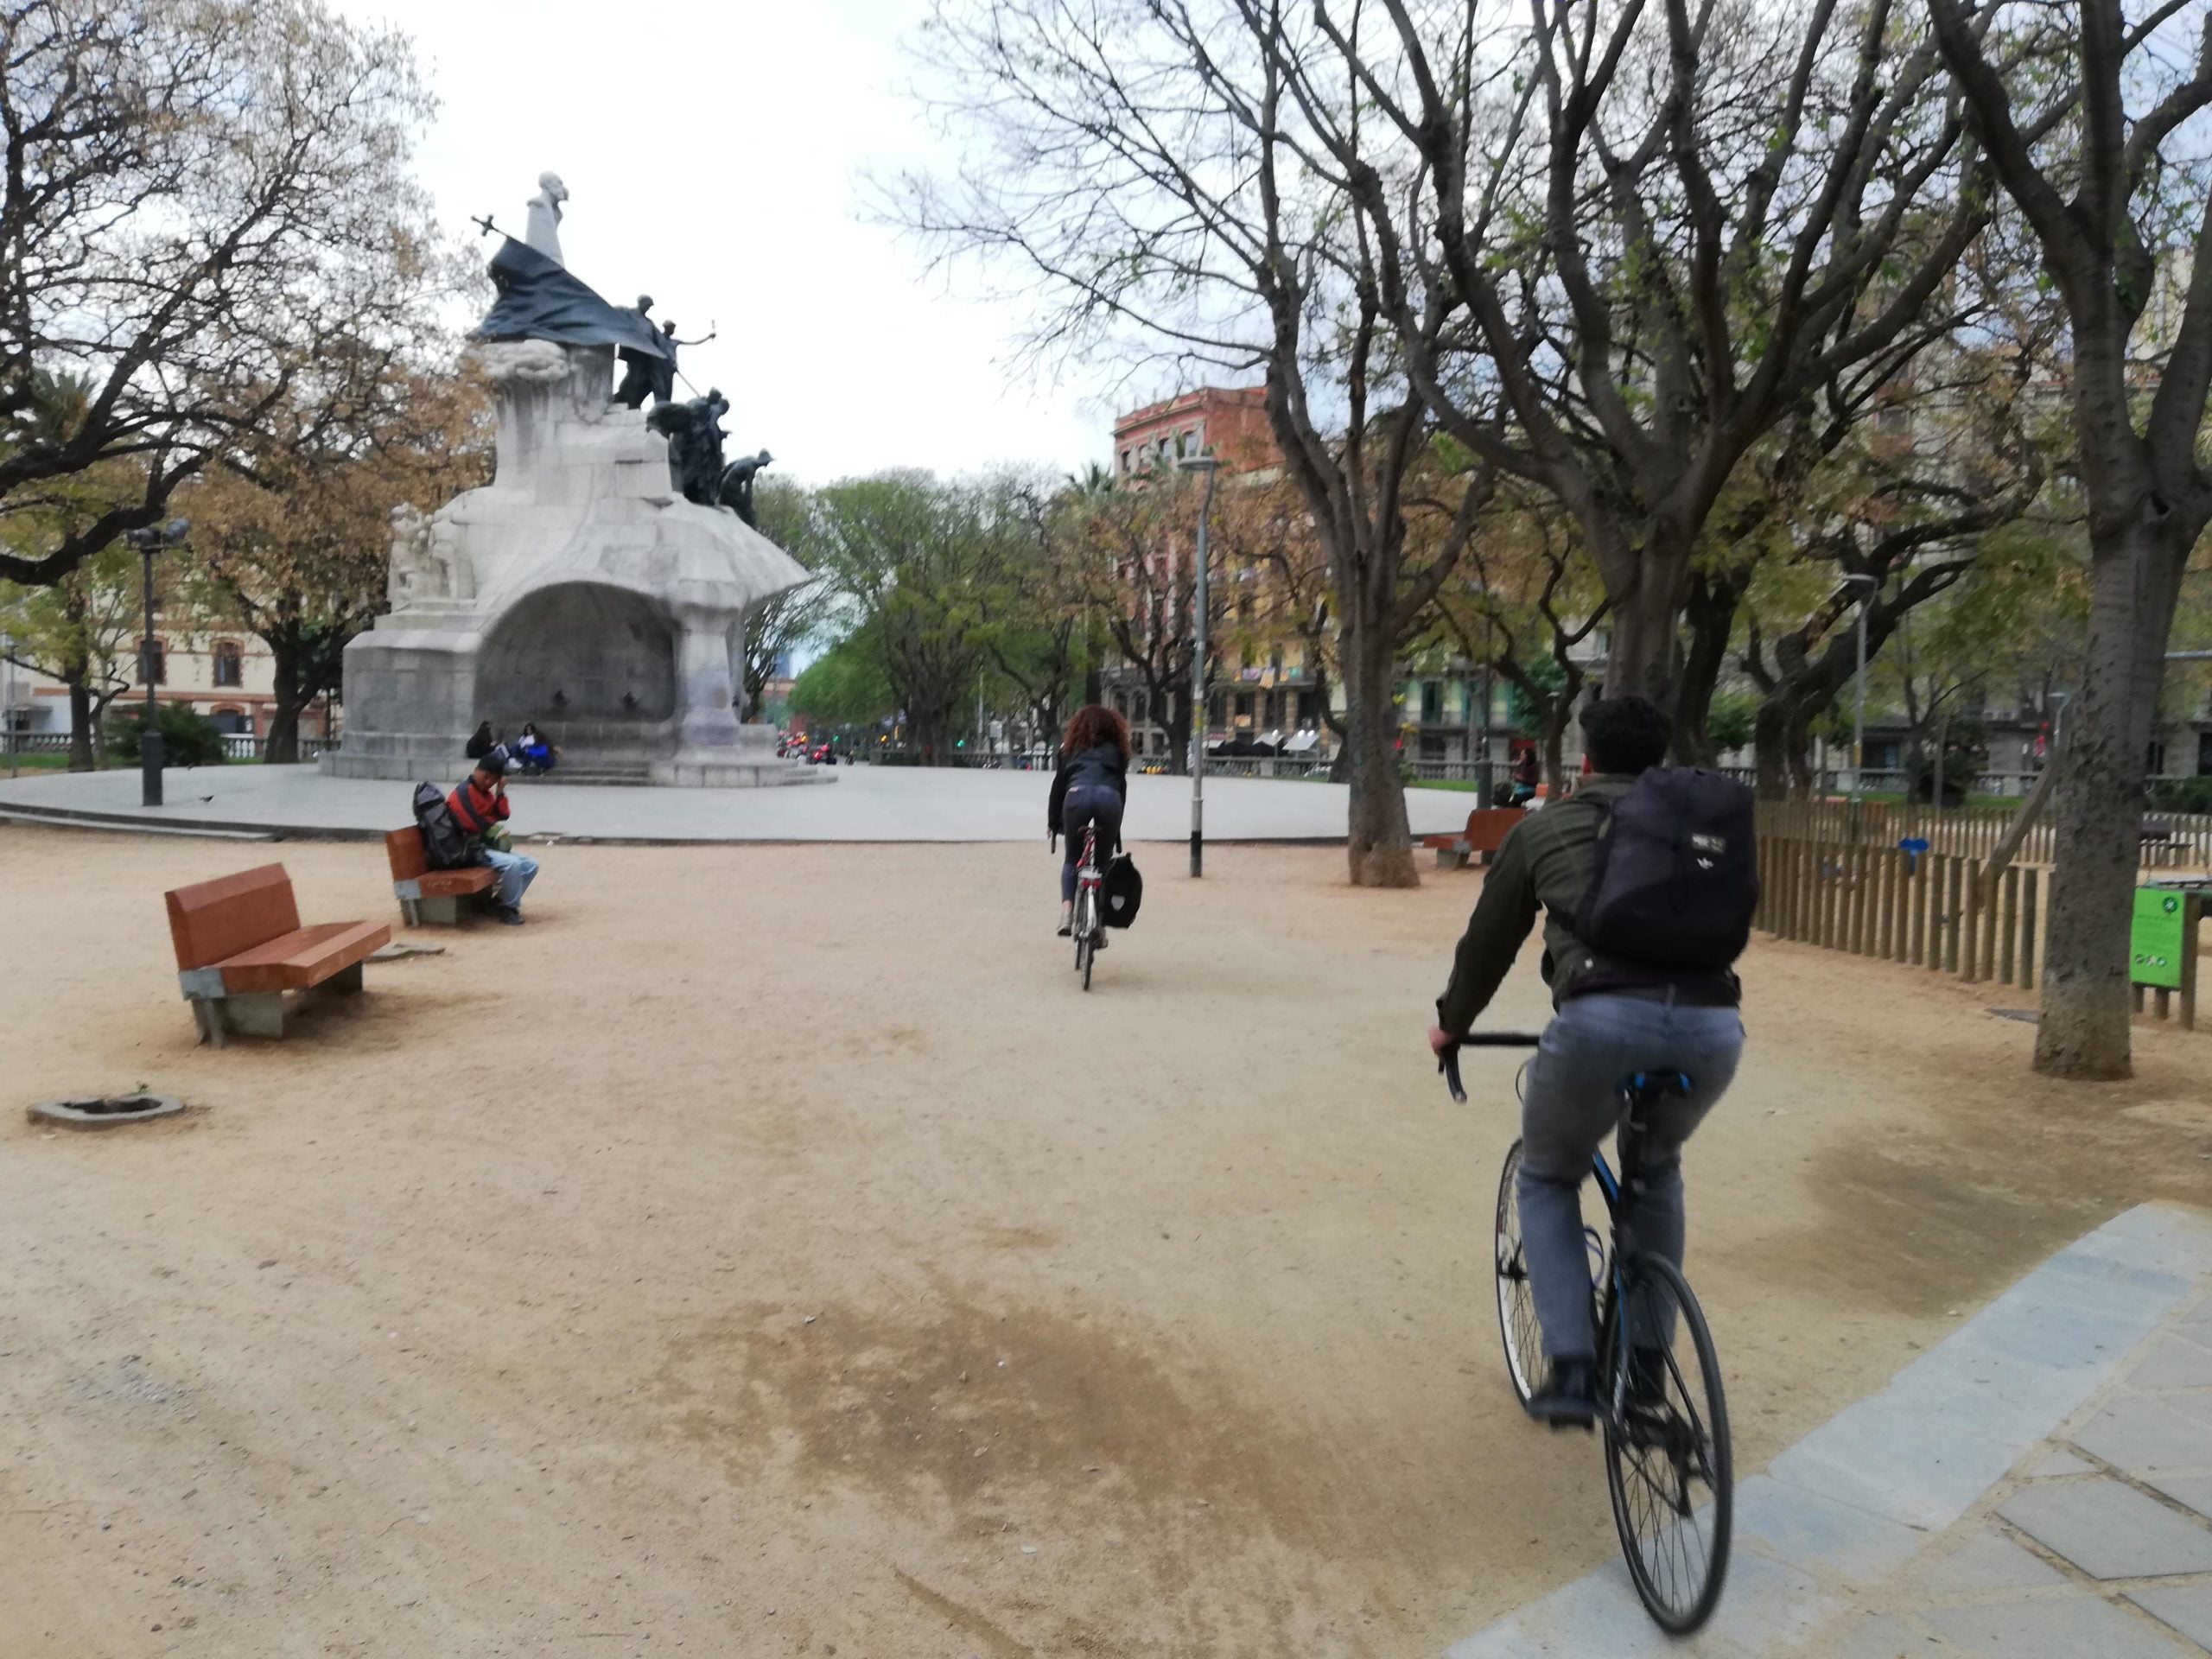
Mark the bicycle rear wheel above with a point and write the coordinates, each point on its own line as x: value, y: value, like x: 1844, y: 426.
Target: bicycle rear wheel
x: 1516, y: 1302
x: 1668, y: 1461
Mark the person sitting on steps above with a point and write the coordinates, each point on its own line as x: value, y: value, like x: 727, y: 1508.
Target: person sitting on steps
x: 479, y: 804
x: 1091, y: 787
x: 533, y: 751
x: 1614, y: 1018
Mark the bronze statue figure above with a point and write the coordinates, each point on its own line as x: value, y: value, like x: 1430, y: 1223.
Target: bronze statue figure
x: 695, y: 438
x: 736, y: 492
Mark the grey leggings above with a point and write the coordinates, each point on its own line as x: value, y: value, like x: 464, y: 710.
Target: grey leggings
x: 1573, y: 1103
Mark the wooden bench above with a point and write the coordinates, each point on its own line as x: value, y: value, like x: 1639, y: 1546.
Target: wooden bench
x: 1484, y: 834
x: 240, y: 947
x: 428, y: 895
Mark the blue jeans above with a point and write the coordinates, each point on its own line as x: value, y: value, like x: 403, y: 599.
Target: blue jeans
x: 1574, y: 1103
x: 516, y: 871
x: 1099, y: 807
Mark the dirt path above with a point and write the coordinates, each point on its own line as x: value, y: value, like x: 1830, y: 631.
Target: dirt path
x: 770, y: 1251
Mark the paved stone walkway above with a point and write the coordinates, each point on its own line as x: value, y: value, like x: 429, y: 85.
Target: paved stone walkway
x: 865, y: 804
x: 2038, y: 1486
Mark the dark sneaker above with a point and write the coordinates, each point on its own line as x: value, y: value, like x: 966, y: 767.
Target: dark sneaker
x: 509, y: 915
x: 1569, y: 1396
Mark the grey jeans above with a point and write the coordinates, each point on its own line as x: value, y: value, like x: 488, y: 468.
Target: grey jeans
x: 1574, y: 1103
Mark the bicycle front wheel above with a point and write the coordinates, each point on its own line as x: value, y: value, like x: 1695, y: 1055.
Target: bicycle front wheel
x: 1668, y: 1462
x: 1516, y: 1302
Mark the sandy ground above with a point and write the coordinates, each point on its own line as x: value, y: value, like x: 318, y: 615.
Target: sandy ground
x: 770, y: 1251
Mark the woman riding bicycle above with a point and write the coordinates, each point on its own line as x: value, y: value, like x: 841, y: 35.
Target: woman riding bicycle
x: 1089, y: 789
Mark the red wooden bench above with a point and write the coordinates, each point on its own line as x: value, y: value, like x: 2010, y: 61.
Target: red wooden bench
x: 428, y: 895
x: 240, y: 947
x: 1483, y: 836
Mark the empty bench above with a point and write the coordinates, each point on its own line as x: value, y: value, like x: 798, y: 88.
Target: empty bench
x: 240, y: 948
x: 428, y: 895
x: 1483, y: 836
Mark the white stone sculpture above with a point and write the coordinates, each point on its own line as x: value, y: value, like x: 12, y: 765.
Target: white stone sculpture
x: 543, y: 231
x: 577, y: 591
x: 410, y: 575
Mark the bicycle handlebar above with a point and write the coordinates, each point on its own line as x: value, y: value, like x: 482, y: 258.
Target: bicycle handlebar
x: 1448, y: 1061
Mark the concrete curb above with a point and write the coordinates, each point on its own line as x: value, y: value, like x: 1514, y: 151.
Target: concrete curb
x: 1858, y: 1497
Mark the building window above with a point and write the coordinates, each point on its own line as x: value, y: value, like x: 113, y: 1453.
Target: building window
x: 153, y: 663
x: 230, y: 663
x: 1432, y: 703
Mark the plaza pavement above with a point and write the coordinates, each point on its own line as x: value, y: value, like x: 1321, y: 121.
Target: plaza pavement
x: 864, y: 804
x: 2037, y: 1486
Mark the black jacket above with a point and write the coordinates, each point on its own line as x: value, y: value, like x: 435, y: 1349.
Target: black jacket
x: 1101, y: 763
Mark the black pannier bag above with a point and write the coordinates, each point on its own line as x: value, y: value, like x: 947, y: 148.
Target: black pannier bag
x: 1677, y: 876
x: 1120, y: 891
x: 444, y: 847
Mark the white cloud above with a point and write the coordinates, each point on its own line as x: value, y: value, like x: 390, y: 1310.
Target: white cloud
x: 713, y: 151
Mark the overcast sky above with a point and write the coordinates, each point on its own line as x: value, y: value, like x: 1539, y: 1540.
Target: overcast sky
x: 712, y: 150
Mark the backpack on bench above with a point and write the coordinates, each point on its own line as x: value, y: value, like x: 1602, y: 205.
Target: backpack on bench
x: 1677, y: 876
x: 444, y: 847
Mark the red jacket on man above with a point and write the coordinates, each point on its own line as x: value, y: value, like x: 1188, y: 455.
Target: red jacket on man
x: 475, y: 807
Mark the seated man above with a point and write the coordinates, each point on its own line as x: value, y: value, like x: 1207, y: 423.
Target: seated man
x: 479, y: 804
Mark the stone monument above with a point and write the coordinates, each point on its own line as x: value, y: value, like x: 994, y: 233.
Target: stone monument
x: 580, y: 589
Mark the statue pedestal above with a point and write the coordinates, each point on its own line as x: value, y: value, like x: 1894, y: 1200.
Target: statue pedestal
x: 578, y: 592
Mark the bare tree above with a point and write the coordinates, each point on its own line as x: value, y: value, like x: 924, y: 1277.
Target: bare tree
x: 1163, y: 174
x: 1631, y: 243
x: 2122, y: 213
x: 187, y: 187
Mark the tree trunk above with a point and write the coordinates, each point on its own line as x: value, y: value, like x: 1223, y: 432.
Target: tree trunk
x: 2083, y: 1031
x: 1646, y: 658
x: 1178, y: 722
x: 1770, y: 748
x: 1379, y: 843
x: 282, y: 746
x: 84, y: 741
x: 1713, y: 618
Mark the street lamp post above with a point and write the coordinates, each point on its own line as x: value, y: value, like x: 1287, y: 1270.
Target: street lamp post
x: 148, y: 541
x: 1209, y: 466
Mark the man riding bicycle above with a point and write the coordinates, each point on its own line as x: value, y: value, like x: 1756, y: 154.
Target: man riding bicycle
x: 1615, y: 1016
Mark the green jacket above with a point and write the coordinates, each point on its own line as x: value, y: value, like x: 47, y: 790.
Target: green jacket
x: 1547, y: 860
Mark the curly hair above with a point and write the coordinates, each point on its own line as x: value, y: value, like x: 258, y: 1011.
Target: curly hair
x: 1091, y: 725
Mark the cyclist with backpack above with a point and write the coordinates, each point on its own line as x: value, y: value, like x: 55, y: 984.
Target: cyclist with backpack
x: 1089, y: 787
x: 1648, y: 878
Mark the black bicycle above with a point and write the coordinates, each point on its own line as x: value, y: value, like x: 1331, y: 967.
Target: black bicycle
x: 1668, y: 1463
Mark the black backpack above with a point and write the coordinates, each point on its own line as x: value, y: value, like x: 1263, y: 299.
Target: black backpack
x: 1122, y: 890
x: 444, y: 846
x: 1677, y: 876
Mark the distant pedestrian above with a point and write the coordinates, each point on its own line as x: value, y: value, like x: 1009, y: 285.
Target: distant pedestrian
x: 482, y: 743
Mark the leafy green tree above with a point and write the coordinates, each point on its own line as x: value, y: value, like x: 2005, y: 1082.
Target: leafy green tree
x: 846, y: 685
x: 918, y: 561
